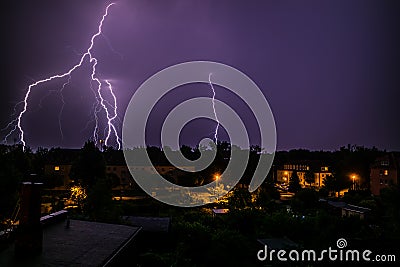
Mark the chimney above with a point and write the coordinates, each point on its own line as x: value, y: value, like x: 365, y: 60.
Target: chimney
x: 29, y: 237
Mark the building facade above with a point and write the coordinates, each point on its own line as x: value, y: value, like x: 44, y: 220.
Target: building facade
x: 384, y: 173
x: 61, y: 173
x: 319, y: 169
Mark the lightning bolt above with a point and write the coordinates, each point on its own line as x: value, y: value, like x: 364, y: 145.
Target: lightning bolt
x: 213, y: 106
x: 16, y: 124
x: 62, y: 106
x: 111, y: 116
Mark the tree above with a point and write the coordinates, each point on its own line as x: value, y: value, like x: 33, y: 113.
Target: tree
x: 10, y: 177
x: 90, y: 171
x: 15, y: 164
x: 329, y: 184
x: 294, y: 183
x: 309, y: 177
x: 335, y: 183
x: 89, y: 166
x: 240, y: 198
x: 306, y: 198
x: 266, y: 193
x: 99, y: 205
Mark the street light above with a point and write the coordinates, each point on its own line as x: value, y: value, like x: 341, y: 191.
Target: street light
x: 286, y: 178
x: 216, y: 186
x: 354, y: 185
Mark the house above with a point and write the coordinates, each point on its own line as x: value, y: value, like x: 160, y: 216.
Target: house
x: 57, y: 169
x: 344, y: 209
x: 318, y: 168
x: 384, y: 173
x: 352, y: 210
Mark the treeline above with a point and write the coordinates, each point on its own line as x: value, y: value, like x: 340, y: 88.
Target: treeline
x: 17, y: 164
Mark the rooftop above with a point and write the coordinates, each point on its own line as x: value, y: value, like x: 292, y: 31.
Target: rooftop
x: 345, y: 206
x: 220, y: 211
x: 82, y: 244
x: 358, y: 209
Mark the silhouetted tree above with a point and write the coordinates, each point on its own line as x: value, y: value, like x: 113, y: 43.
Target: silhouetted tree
x: 10, y: 177
x: 294, y: 183
x: 240, y: 198
x: 336, y: 183
x: 89, y: 167
x: 309, y: 177
x: 90, y: 171
x: 306, y: 198
x: 39, y: 160
x: 99, y: 205
x: 266, y: 193
x: 329, y: 184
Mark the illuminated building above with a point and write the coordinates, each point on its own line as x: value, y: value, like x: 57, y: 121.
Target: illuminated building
x: 384, y: 173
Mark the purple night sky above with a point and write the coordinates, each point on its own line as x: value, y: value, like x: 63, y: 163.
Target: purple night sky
x: 329, y: 69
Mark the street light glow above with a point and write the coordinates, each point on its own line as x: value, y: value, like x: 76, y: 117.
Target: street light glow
x: 353, y: 176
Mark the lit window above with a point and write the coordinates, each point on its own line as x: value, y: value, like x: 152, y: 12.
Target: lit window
x: 386, y: 172
x: 56, y: 168
x: 324, y: 169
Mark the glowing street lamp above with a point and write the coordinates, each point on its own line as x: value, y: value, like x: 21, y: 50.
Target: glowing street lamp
x: 354, y: 178
x: 217, y: 177
x: 216, y: 186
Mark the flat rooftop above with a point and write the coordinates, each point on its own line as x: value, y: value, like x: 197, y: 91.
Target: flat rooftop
x: 82, y: 244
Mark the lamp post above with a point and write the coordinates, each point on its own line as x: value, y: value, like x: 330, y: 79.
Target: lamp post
x: 216, y: 186
x: 354, y: 185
